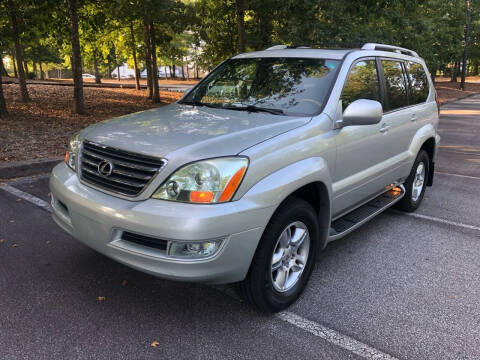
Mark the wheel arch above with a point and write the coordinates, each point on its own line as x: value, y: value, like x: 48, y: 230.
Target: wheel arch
x: 316, y: 194
x: 429, y: 146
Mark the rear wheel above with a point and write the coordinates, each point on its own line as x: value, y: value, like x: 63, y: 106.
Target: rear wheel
x: 416, y: 183
x: 284, y: 258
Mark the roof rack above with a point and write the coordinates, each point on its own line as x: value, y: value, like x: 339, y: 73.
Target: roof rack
x: 383, y: 47
x: 283, y: 47
x: 367, y: 46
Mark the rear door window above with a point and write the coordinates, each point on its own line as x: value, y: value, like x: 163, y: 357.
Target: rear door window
x: 362, y: 83
x: 418, y: 83
x: 395, y: 85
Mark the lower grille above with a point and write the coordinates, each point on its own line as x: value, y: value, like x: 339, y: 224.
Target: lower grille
x: 117, y: 170
x: 145, y: 240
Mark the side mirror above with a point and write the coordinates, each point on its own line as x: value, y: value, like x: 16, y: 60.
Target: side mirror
x: 363, y: 112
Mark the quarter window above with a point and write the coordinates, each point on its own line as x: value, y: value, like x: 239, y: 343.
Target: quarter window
x: 395, y: 85
x: 362, y: 83
x: 418, y: 83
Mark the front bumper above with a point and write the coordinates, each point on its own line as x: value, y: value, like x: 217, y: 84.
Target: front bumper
x: 97, y: 219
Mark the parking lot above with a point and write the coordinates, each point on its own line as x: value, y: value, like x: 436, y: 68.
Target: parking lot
x: 402, y: 286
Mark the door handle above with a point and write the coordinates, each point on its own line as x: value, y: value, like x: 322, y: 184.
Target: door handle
x: 413, y: 118
x: 384, y: 128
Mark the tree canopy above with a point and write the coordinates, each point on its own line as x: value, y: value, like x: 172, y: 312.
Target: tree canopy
x: 196, y: 35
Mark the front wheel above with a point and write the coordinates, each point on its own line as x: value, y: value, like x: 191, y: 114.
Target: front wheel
x: 416, y: 183
x: 284, y: 259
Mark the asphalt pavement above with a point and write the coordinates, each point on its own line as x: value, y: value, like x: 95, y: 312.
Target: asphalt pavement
x: 402, y: 286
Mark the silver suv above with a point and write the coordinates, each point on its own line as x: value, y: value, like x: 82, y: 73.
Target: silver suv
x: 256, y: 169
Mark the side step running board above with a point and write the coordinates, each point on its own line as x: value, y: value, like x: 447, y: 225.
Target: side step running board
x: 349, y: 222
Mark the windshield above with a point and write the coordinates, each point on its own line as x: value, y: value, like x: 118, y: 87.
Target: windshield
x: 281, y: 86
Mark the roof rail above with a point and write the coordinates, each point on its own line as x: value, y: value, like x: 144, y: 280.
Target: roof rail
x: 277, y: 47
x: 283, y: 47
x: 383, y: 47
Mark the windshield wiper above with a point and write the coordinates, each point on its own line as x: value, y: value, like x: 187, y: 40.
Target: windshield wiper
x: 253, y: 108
x: 193, y: 103
x: 249, y: 108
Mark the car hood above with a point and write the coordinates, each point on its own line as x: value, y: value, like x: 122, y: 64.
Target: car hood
x: 188, y: 133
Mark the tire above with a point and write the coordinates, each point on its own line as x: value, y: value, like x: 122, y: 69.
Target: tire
x: 263, y: 286
x: 413, y: 195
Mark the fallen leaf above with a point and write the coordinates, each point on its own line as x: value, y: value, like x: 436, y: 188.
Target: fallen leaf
x: 14, y: 245
x: 155, y: 343
x: 12, y: 221
x: 18, y: 200
x: 48, y: 241
x: 452, y: 297
x: 2, y: 240
x: 101, y: 298
x: 124, y: 283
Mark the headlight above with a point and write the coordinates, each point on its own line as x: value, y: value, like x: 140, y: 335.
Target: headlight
x: 72, y: 152
x: 207, y: 181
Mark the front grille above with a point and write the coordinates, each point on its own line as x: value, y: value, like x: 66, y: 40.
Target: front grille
x: 145, y: 240
x: 130, y: 172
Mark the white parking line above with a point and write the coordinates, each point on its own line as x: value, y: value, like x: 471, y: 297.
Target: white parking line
x: 457, y: 175
x: 334, y: 337
x: 443, y: 221
x: 26, y: 196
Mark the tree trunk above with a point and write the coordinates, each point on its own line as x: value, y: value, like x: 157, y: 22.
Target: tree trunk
x: 183, y: 70
x: 165, y: 69
x: 134, y: 53
x: 240, y: 9
x: 153, y: 53
x: 109, y: 65
x: 196, y: 71
x: 18, y: 51
x: 3, y: 106
x: 188, y: 73
x: 42, y: 74
x: 76, y: 57
x: 148, y: 59
x: 15, y: 73
x: 35, y: 70
x: 3, y: 71
x: 453, y: 74
x: 98, y: 79
x: 466, y: 42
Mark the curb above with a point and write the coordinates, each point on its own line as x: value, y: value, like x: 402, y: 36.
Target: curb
x: 27, y: 168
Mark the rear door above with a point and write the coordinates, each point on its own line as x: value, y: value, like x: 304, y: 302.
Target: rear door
x: 418, y: 91
x: 399, y: 117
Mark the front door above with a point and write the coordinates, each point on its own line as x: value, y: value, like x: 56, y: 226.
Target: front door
x: 361, y: 150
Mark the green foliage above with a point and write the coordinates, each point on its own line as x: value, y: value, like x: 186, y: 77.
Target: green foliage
x: 205, y: 31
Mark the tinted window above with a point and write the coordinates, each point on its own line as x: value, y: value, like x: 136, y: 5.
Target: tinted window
x: 419, y: 87
x: 395, y: 85
x: 362, y: 83
x: 293, y: 85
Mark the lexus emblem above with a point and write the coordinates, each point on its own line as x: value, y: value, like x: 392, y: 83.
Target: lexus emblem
x: 105, y: 168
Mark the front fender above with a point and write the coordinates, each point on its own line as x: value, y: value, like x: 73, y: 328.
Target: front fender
x: 277, y: 186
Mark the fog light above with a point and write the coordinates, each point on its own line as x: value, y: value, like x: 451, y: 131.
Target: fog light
x: 194, y: 250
